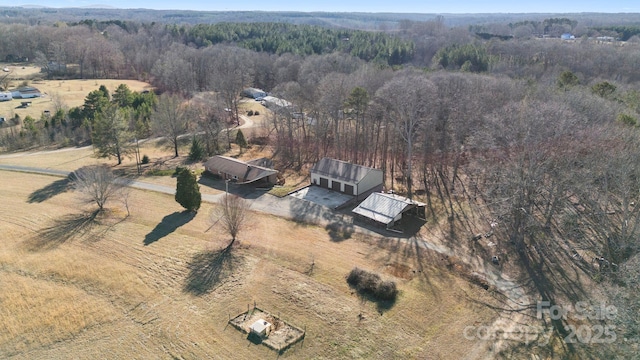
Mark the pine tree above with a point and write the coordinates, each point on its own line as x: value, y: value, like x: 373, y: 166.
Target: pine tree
x: 188, y: 191
x: 197, y: 151
x: 240, y: 140
x: 123, y: 96
x: 111, y: 136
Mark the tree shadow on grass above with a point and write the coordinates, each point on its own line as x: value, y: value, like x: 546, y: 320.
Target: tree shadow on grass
x: 208, y: 269
x: 340, y: 231
x: 254, y: 338
x: 382, y: 305
x: 62, y: 230
x: 168, y: 225
x: 51, y: 190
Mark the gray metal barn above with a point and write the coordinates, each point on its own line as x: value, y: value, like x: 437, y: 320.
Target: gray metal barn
x: 348, y: 178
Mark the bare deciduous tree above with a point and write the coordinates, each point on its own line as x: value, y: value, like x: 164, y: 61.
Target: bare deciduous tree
x: 407, y: 100
x: 5, y: 81
x: 233, y: 71
x: 232, y: 213
x: 210, y: 122
x: 627, y: 304
x: 173, y: 72
x: 97, y: 184
x: 171, y: 119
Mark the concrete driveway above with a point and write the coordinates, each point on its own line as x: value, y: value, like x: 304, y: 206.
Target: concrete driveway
x: 321, y: 196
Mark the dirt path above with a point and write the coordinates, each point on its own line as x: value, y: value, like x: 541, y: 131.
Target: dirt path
x: 248, y: 123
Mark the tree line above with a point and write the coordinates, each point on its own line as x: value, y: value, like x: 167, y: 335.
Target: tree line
x: 623, y: 32
x: 173, y: 56
x: 280, y: 38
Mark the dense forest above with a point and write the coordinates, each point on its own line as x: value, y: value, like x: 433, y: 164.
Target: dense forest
x: 274, y: 38
x: 537, y: 134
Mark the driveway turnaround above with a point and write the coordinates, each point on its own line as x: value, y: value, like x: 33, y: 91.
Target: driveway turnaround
x: 321, y: 196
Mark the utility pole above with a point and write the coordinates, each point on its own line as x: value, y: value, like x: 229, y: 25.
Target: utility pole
x: 138, y: 160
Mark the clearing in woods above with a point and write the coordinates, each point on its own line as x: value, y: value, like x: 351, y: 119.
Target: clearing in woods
x: 69, y: 93
x: 155, y: 284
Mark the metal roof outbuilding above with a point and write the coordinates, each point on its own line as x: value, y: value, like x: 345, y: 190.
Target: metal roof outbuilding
x: 385, y: 208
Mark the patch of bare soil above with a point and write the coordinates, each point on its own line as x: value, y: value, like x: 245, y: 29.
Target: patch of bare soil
x: 401, y: 271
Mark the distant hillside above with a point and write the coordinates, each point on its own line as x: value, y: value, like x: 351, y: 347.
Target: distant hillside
x: 361, y: 21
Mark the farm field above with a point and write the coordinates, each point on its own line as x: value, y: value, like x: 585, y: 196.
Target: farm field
x: 153, y: 285
x: 70, y: 93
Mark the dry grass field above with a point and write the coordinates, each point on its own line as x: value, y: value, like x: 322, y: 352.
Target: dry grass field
x: 70, y: 159
x: 70, y: 93
x: 155, y: 285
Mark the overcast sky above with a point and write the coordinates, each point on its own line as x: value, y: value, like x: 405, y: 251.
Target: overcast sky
x: 396, y: 6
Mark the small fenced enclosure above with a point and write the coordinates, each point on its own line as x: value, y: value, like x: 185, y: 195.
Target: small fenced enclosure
x: 278, y: 336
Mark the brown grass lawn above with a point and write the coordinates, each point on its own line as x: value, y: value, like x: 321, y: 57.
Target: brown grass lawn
x: 71, y: 159
x: 154, y: 285
x: 160, y: 156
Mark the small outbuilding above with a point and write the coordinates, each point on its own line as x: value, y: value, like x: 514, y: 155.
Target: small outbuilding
x: 256, y: 94
x: 345, y: 177
x: 274, y: 103
x: 253, y: 171
x: 387, y: 209
x: 260, y: 328
x: 25, y: 92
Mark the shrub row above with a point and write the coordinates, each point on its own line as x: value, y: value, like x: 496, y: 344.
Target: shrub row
x: 371, y: 283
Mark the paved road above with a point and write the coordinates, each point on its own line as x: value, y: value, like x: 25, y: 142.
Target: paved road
x: 247, y: 124
x: 29, y: 169
x: 26, y: 153
x: 260, y: 201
